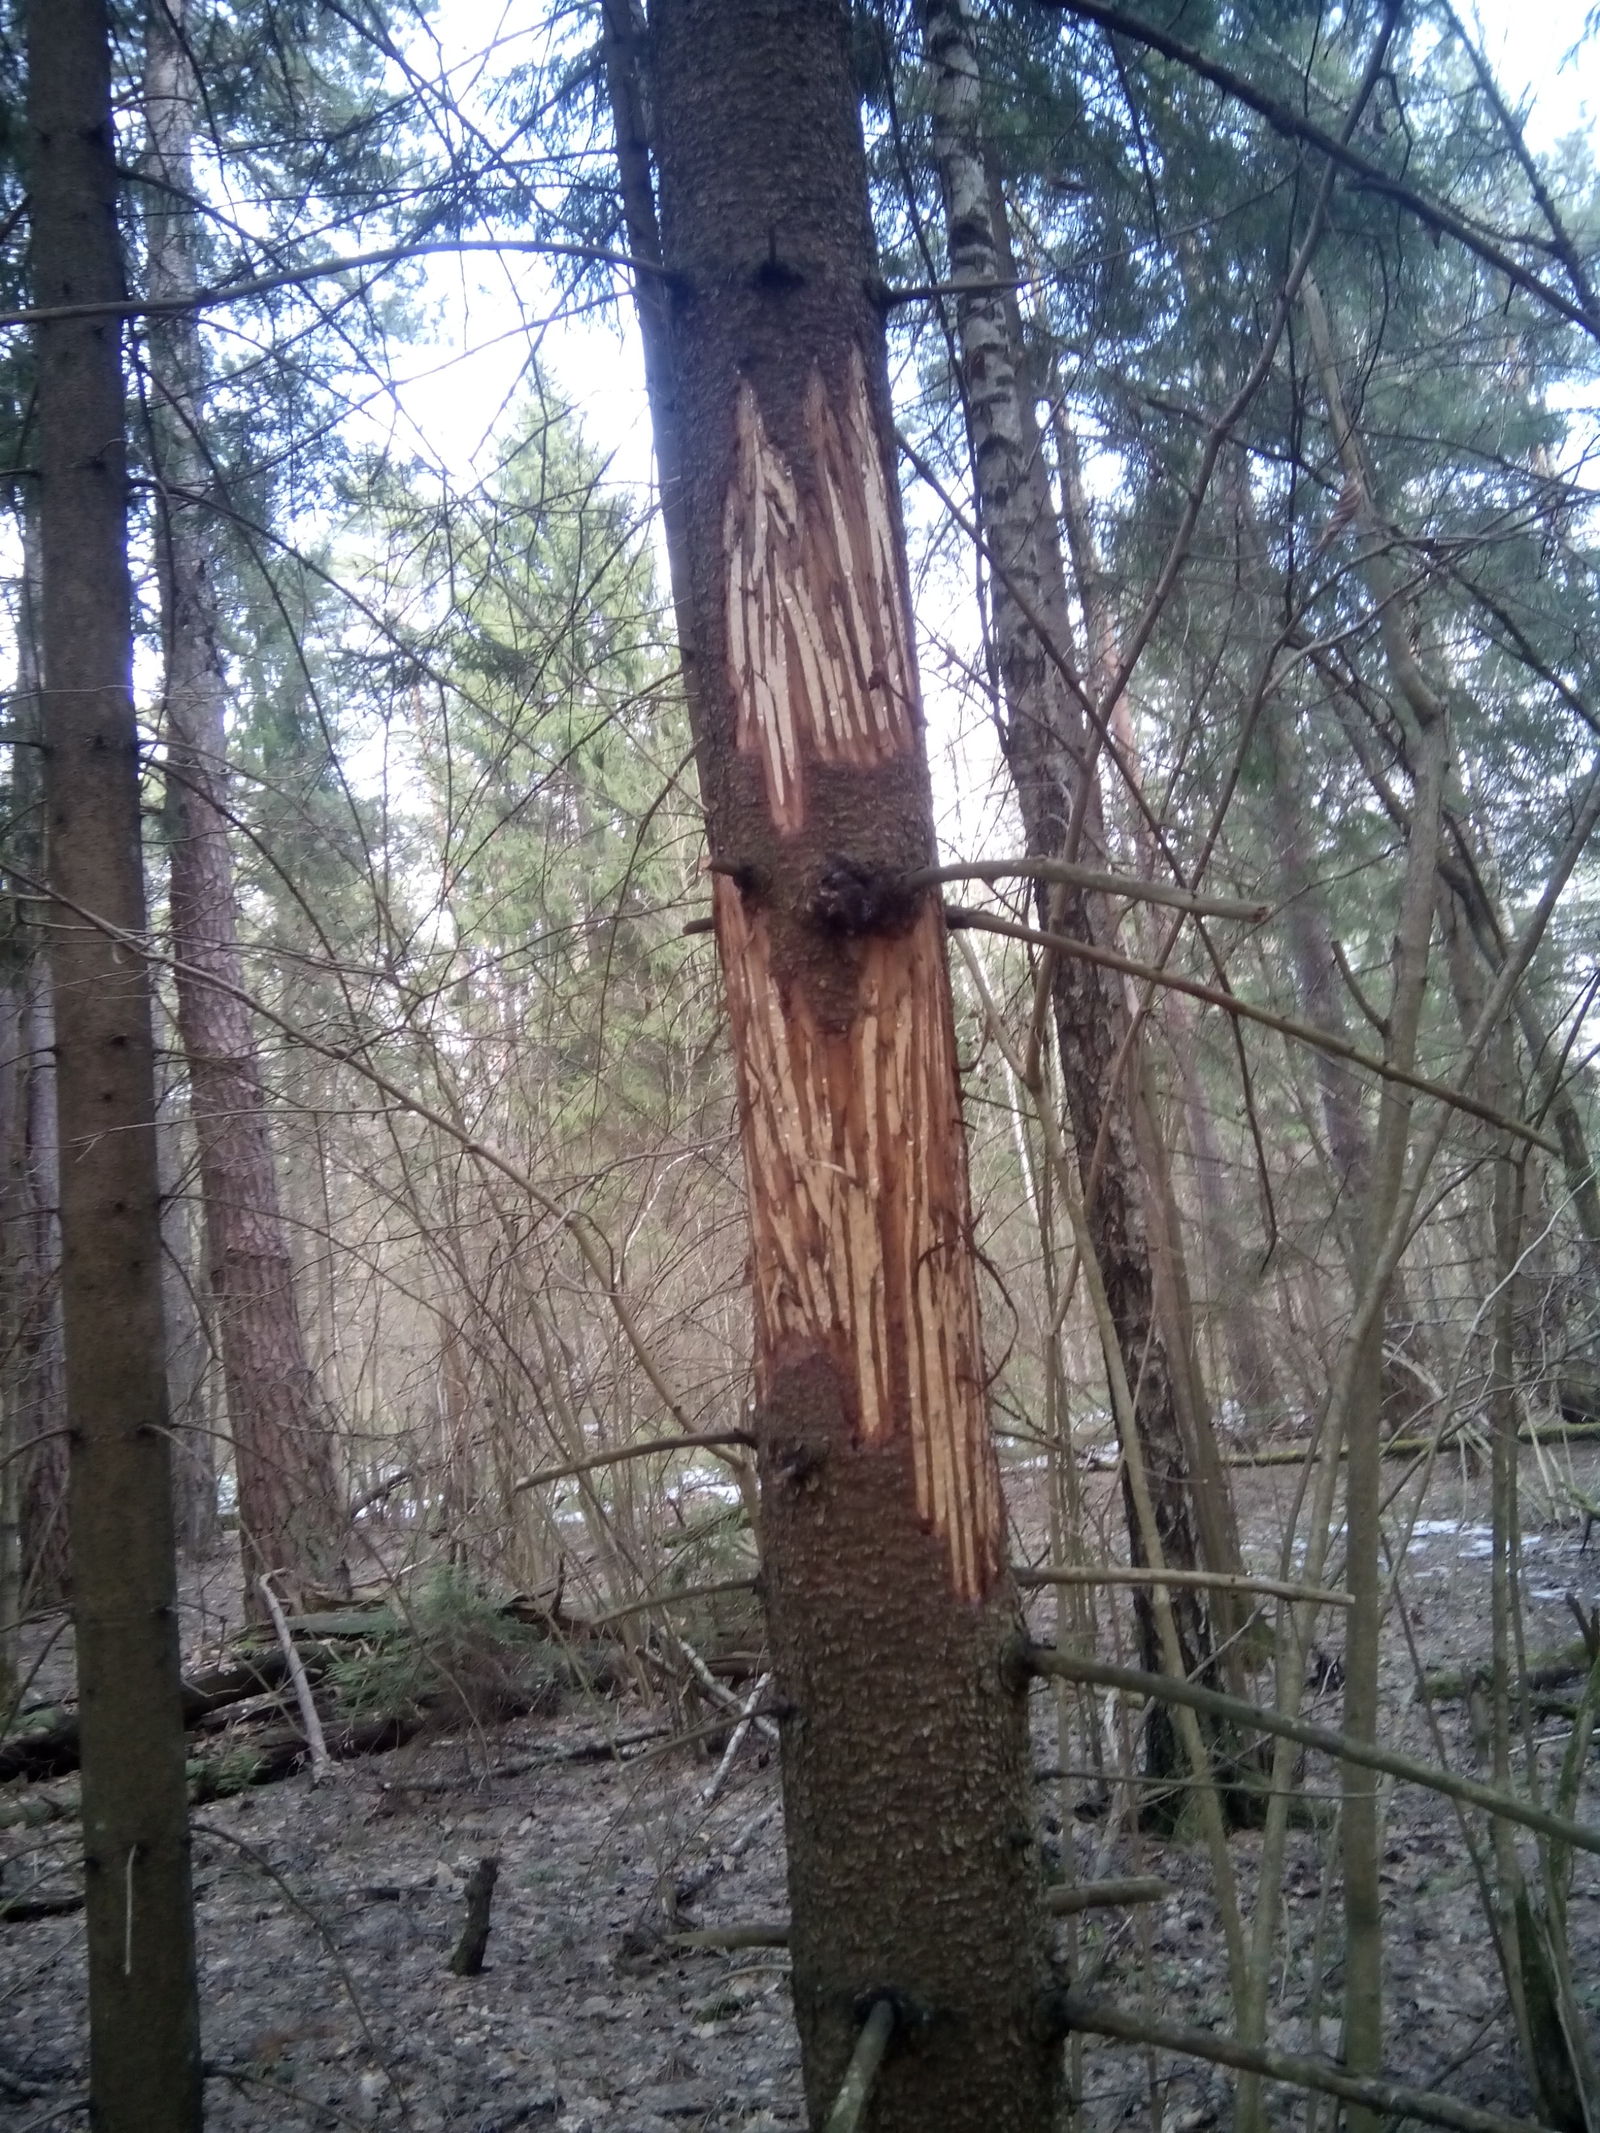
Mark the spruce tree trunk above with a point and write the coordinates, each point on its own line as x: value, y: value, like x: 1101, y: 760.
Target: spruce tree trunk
x: 11, y: 1435
x: 1049, y: 748
x: 35, y: 1483
x: 894, y: 1624
x: 280, y: 1425
x: 144, y: 2059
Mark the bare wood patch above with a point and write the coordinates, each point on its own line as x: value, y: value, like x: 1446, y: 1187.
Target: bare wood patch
x: 857, y: 1170
x: 818, y: 634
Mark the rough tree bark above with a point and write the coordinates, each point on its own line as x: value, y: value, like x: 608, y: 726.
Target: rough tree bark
x: 34, y: 1485
x: 1049, y: 748
x: 282, y: 1439
x: 894, y: 1625
x: 144, y: 2058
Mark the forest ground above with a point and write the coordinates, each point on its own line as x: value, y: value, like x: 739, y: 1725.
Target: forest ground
x: 327, y: 1914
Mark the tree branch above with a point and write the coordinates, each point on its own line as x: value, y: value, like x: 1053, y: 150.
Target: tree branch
x: 1253, y: 1717
x: 1037, y: 868
x: 1081, y: 2012
x: 319, y: 270
x: 1230, y: 1003
x: 711, y: 1442
x: 1294, y: 125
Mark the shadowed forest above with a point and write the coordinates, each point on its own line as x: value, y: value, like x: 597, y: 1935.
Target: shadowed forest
x: 800, y: 1313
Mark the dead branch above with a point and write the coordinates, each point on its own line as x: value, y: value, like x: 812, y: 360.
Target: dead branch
x: 1035, y: 868
x: 1253, y: 1717
x: 1081, y: 2012
x: 1218, y: 1580
x: 957, y: 915
x: 711, y: 1442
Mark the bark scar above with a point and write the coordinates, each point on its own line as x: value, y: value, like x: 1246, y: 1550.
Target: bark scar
x: 818, y: 633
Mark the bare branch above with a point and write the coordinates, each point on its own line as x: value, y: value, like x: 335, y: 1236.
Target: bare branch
x: 1230, y: 1003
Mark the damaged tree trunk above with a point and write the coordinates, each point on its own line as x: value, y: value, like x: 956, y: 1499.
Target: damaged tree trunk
x: 895, y: 1626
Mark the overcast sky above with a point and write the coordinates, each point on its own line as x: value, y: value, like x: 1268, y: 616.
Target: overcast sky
x: 454, y: 406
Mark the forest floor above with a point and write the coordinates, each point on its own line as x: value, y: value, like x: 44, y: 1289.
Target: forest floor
x: 327, y: 1914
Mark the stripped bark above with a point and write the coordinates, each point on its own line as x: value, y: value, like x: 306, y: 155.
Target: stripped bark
x: 283, y: 1447
x: 893, y: 1620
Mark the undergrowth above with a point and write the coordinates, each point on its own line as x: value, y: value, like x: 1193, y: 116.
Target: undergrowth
x: 456, y: 1655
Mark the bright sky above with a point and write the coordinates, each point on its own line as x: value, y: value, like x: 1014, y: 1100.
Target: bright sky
x: 456, y: 398
x: 459, y: 390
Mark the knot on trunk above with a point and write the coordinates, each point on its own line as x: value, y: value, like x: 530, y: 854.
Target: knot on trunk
x: 851, y: 896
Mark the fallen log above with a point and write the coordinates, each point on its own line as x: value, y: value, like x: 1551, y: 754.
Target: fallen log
x: 284, y: 1750
x: 1548, y: 1670
x: 23, y: 1910
x: 261, y: 1758
x: 247, y: 1761
x: 1415, y: 1447
x: 51, y: 1751
x: 31, y: 1806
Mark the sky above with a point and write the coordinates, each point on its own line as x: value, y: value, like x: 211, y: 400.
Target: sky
x: 460, y: 390
x: 455, y: 398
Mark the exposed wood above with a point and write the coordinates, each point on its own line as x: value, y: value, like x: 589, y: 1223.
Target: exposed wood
x: 855, y: 2091
x: 310, y: 1723
x: 709, y: 1791
x: 889, y: 1607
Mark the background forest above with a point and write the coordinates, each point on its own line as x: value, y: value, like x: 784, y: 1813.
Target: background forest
x: 1244, y: 363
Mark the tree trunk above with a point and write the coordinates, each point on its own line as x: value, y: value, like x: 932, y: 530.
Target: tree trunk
x: 1356, y: 1396
x: 288, y: 1494
x: 34, y: 1484
x: 1250, y: 1366
x: 1047, y: 743
x: 187, y: 1311
x: 144, y: 2056
x: 895, y: 1627
x: 13, y: 1427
